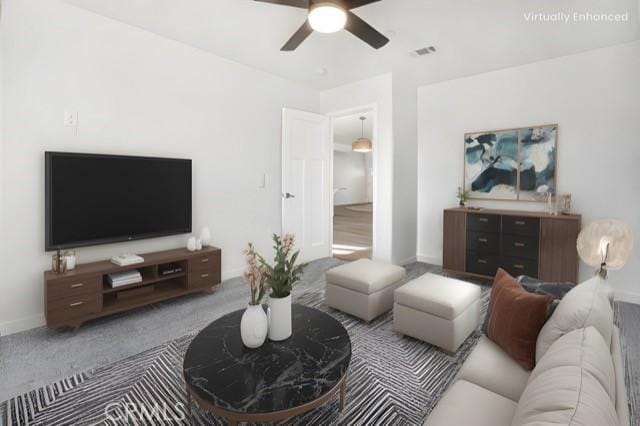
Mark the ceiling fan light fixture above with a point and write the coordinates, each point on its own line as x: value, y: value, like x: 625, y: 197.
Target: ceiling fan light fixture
x: 327, y: 18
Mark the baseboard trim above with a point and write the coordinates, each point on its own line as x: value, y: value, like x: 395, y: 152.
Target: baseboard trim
x: 23, y: 324
x: 408, y: 261
x: 628, y: 297
x: 232, y: 273
x: 433, y: 260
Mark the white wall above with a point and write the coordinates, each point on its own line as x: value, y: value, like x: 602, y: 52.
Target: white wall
x: 135, y: 93
x: 350, y: 176
x: 595, y: 99
x: 374, y: 92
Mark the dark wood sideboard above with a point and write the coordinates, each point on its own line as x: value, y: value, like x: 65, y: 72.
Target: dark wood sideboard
x: 82, y: 294
x: 479, y: 241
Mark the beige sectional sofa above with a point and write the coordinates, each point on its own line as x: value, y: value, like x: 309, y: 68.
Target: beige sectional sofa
x: 578, y: 378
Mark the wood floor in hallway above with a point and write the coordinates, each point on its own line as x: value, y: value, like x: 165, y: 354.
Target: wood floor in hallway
x: 353, y: 231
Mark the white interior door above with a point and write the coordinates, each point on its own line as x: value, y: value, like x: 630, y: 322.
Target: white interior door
x: 306, y: 181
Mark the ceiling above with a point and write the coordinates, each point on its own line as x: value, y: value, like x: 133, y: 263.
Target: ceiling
x: 472, y: 36
x: 349, y: 128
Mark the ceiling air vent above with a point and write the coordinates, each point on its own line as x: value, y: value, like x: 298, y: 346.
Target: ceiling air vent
x: 424, y: 51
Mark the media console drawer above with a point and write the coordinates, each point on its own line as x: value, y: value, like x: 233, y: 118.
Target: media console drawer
x: 75, y: 286
x: 73, y: 307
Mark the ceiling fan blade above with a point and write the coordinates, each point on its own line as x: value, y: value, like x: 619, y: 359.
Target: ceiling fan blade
x: 352, y: 4
x: 303, y: 4
x: 364, y: 31
x: 296, y: 40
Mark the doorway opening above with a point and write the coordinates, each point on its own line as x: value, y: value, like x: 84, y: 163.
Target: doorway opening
x: 353, y: 184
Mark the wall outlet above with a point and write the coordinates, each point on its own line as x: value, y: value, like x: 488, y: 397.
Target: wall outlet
x: 70, y: 118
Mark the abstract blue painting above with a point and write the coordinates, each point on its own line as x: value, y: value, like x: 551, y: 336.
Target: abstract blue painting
x: 491, y: 165
x: 537, y: 161
x: 512, y: 164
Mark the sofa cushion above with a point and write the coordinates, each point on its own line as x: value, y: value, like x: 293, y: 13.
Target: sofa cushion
x: 468, y: 404
x: 437, y: 295
x: 365, y: 276
x: 588, y: 304
x: 564, y: 389
x: 516, y: 318
x: 490, y: 367
x: 584, y: 347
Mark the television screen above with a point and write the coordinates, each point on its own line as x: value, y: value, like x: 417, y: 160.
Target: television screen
x: 97, y: 199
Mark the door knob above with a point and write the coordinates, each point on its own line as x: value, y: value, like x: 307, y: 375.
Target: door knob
x: 288, y: 195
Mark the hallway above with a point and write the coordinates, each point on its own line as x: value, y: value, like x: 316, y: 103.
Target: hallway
x: 352, y: 231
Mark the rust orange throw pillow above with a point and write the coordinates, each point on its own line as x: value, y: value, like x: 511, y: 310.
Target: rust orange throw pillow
x: 516, y: 318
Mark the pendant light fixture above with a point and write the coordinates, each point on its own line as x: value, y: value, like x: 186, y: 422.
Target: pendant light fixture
x: 362, y: 144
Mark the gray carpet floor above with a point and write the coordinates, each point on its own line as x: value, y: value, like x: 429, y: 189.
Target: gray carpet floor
x: 37, y: 357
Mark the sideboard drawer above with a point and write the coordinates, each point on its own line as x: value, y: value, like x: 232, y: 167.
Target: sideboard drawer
x: 519, y: 266
x: 521, y: 225
x: 74, y: 286
x: 483, y: 242
x: 63, y: 310
x: 209, y: 262
x: 483, y: 222
x: 519, y: 246
x: 480, y: 263
x: 203, y: 279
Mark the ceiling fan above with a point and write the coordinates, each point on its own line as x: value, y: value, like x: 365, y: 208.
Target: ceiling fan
x: 330, y: 16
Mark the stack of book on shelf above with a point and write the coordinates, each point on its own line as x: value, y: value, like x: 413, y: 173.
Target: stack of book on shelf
x: 120, y: 279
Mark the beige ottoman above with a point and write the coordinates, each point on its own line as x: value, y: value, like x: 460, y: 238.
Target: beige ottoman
x: 438, y: 310
x: 363, y: 288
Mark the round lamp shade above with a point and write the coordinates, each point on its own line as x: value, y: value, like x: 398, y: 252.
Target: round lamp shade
x: 362, y: 145
x: 607, y: 241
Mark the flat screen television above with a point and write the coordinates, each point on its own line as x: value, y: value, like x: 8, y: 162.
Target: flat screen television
x: 93, y: 199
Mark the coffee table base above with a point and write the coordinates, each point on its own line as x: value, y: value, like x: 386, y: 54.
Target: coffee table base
x: 233, y: 417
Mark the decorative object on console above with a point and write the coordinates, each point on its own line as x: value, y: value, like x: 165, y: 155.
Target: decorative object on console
x: 563, y: 203
x: 282, y: 276
x: 198, y: 244
x: 605, y: 244
x: 205, y: 236
x: 191, y: 244
x: 254, y: 323
x: 517, y: 317
x: 511, y: 164
x: 70, y: 256
x: 127, y: 259
x: 462, y: 196
x: 119, y: 279
x: 58, y: 263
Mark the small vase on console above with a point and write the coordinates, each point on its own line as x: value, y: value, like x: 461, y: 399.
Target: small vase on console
x: 253, y: 326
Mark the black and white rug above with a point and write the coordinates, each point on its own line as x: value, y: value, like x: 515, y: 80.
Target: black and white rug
x: 392, y: 380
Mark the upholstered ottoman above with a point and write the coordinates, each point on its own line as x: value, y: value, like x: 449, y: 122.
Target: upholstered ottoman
x: 438, y: 310
x: 363, y: 288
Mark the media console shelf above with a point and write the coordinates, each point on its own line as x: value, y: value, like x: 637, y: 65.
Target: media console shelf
x: 84, y: 294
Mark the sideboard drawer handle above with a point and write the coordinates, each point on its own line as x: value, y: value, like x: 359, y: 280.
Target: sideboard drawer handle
x: 482, y: 240
x: 482, y: 261
x: 73, y: 305
x: 520, y: 222
x: 518, y: 266
x: 483, y: 219
x: 205, y: 260
x: 204, y: 275
x: 77, y: 285
x: 518, y: 244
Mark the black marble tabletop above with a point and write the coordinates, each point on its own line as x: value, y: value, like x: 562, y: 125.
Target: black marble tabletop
x: 274, y: 377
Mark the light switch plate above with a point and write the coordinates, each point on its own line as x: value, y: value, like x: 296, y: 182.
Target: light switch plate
x: 70, y: 119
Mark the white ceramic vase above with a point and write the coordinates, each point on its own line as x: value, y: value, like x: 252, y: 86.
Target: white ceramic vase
x: 205, y: 236
x: 191, y: 244
x: 254, y: 326
x: 279, y: 314
x: 198, y: 245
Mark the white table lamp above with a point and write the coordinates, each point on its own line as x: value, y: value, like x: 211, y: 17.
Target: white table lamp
x: 605, y: 244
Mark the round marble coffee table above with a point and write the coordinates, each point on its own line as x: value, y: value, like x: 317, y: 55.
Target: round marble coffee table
x: 274, y: 382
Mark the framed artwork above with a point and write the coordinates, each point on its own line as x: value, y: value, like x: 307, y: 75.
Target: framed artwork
x: 511, y: 164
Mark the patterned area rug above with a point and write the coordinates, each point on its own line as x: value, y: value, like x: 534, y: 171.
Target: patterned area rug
x: 392, y: 380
